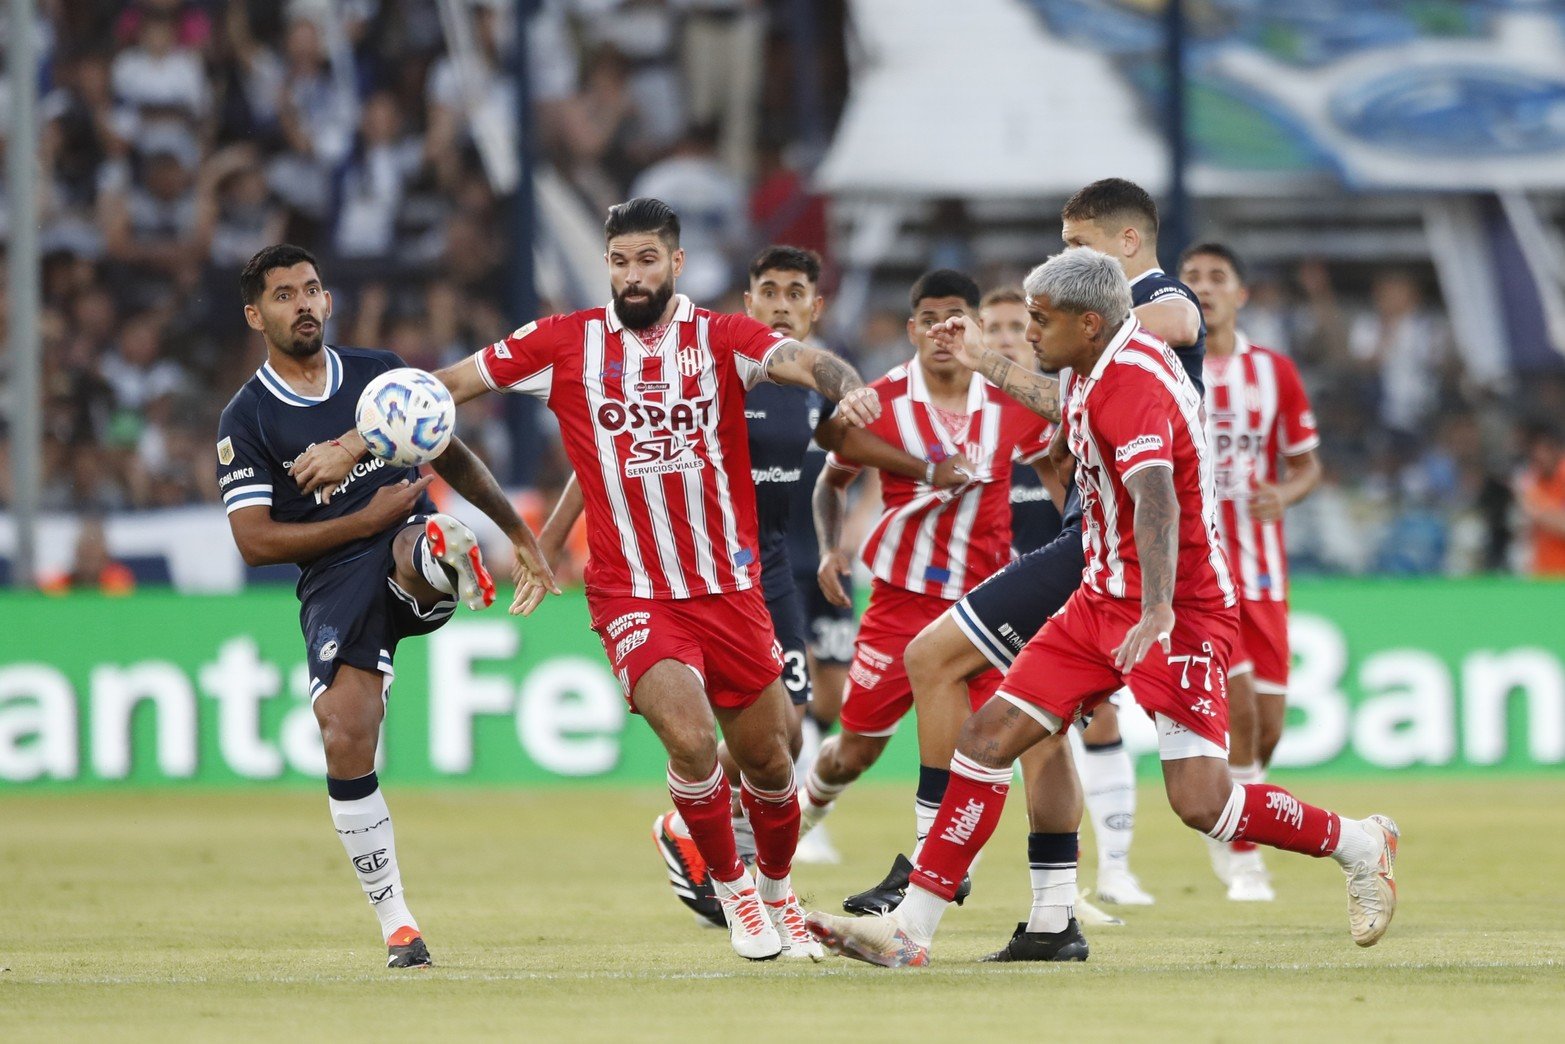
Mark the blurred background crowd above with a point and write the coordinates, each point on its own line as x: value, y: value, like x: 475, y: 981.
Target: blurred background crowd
x: 180, y: 136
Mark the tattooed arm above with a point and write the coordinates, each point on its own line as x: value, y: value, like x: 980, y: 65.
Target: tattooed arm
x: 799, y: 364
x: 1036, y: 391
x: 470, y: 477
x: 1157, y: 547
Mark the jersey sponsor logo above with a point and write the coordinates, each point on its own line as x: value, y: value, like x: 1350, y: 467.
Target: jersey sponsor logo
x: 1137, y: 446
x: 620, y: 624
x: 225, y: 452
x: 688, y: 418
x: 235, y: 476
x: 652, y: 386
x: 775, y: 474
x: 661, y: 455
x: 691, y: 360
x: 754, y: 414
x: 362, y: 468
x: 967, y: 819
x: 631, y: 642
x: 1028, y: 494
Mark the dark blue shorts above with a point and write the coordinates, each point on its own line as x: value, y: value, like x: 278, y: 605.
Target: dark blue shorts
x: 1001, y: 614
x: 352, y: 612
x: 832, y: 628
x: 787, y: 612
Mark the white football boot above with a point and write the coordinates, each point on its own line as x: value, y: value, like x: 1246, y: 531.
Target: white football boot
x: 782, y: 908
x: 1372, y: 886
x: 873, y: 940
x: 1222, y: 854
x: 816, y: 848
x: 1089, y: 913
x: 454, y: 546
x: 1119, y: 887
x: 749, y: 928
x: 1248, y: 881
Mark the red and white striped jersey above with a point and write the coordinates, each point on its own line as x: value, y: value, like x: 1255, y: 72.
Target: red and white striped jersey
x: 656, y: 434
x: 944, y: 542
x: 1256, y: 414
x: 1138, y: 409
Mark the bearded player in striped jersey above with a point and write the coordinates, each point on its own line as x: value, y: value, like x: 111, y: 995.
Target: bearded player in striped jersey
x: 649, y: 393
x: 1263, y: 442
x: 1156, y: 609
x: 929, y: 548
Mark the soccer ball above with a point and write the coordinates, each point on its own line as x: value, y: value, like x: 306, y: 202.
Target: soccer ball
x: 406, y: 417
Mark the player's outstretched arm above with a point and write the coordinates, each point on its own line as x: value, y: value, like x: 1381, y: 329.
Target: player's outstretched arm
x: 806, y: 367
x: 857, y: 444
x: 262, y: 540
x: 1038, y: 392
x: 324, y: 465
x: 829, y: 504
x: 1174, y: 320
x: 1269, y: 502
x: 463, y: 380
x: 1157, y: 546
x: 470, y: 477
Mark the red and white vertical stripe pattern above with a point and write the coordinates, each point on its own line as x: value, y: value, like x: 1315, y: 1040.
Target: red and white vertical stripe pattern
x: 1256, y: 413
x: 942, y: 542
x: 1139, y: 391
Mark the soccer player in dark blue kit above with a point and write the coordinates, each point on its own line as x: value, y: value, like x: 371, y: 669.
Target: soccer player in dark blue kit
x: 988, y: 627
x: 377, y: 563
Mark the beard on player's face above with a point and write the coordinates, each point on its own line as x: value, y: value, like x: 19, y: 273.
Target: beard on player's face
x: 646, y: 307
x: 296, y: 343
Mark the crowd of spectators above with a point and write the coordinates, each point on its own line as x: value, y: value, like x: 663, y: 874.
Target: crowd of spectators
x: 180, y: 136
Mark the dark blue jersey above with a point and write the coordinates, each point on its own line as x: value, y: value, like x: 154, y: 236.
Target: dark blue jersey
x: 782, y: 424
x: 267, y: 425
x: 1034, y: 520
x: 1156, y: 285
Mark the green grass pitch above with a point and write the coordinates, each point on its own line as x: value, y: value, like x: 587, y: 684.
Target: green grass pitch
x: 233, y: 915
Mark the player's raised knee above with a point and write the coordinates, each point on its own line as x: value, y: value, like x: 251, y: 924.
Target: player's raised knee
x: 1200, y: 809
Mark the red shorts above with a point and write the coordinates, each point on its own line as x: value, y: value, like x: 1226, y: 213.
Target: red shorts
x: 1068, y: 667
x: 1262, y: 645
x: 879, y: 695
x: 726, y: 639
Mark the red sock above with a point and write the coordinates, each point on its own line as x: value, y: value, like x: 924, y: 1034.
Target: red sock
x: 1268, y: 815
x: 774, y: 815
x: 968, y: 815
x: 704, y: 806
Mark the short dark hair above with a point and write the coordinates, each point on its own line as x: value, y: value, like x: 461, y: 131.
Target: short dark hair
x: 1113, y: 198
x: 643, y: 214
x: 252, y: 280
x: 787, y: 259
x: 1214, y: 249
x: 1003, y: 295
x: 944, y: 282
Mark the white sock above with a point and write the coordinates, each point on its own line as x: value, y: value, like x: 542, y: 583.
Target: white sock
x: 430, y: 567
x: 810, y: 732
x: 1053, y: 894
x: 365, y: 828
x: 1108, y: 781
x: 773, y: 891
x: 919, y: 915
x: 923, y: 823
x: 1359, y: 843
x: 819, y: 791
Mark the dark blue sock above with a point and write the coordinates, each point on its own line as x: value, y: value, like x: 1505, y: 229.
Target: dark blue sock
x: 1052, y: 851
x: 351, y: 789
x: 932, y: 784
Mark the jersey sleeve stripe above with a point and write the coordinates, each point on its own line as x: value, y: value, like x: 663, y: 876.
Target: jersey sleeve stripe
x: 1302, y: 446
x: 484, y: 374
x: 250, y: 490
x: 1154, y: 462
x: 258, y: 500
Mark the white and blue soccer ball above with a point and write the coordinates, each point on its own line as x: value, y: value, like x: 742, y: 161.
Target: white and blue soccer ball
x: 406, y: 417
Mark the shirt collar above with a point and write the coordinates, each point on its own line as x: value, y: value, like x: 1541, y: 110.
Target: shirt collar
x: 1127, y: 330
x: 684, y: 311
x: 1146, y: 275
x: 273, y: 382
x: 918, y: 389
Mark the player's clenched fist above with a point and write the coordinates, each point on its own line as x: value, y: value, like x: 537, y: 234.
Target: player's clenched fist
x: 860, y: 407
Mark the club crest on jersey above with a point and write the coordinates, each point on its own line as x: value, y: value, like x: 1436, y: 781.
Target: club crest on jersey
x: 1137, y: 446
x: 225, y: 451
x: 690, y: 361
